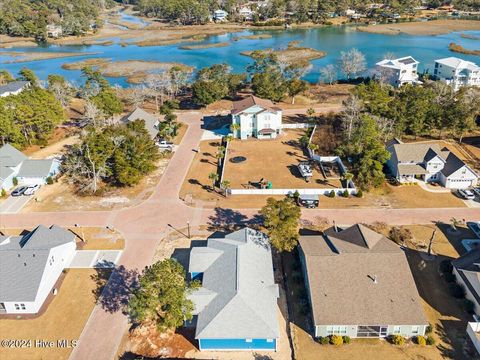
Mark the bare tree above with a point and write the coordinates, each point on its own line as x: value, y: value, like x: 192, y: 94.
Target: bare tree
x: 352, y: 62
x: 179, y: 78
x: 158, y: 85
x: 329, y: 73
x: 137, y: 95
x: 351, y: 114
x: 62, y: 93
x: 92, y: 115
x: 389, y: 55
x: 385, y: 127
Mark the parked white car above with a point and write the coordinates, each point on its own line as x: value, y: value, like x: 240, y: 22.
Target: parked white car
x: 31, y: 190
x: 163, y: 144
x: 466, y: 194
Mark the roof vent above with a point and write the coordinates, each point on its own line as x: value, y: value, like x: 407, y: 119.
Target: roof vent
x: 24, y: 264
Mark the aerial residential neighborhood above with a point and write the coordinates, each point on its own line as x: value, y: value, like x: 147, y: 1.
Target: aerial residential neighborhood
x: 263, y: 179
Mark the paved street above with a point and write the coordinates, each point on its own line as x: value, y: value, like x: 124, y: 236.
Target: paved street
x: 145, y: 224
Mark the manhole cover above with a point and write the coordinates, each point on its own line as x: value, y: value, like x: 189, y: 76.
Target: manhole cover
x: 238, y: 159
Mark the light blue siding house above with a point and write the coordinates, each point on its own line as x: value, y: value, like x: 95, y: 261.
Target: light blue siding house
x: 236, y: 306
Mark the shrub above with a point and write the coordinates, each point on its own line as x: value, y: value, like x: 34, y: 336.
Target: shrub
x: 4, y: 193
x: 429, y: 329
x: 456, y: 290
x: 336, y: 340
x: 397, y: 340
x: 331, y: 194
x: 15, y: 181
x: 359, y: 193
x: 346, y: 339
x: 49, y: 180
x: 430, y: 340
x: 446, y: 266
x: 420, y: 340
x: 323, y: 340
x: 469, y: 306
x: 345, y: 193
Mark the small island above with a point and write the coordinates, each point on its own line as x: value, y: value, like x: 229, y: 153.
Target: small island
x: 292, y: 53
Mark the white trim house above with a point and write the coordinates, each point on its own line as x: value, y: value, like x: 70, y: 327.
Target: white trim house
x: 30, y: 265
x: 457, y: 72
x: 13, y: 88
x: 257, y: 118
x: 360, y: 285
x: 467, y: 273
x: 398, y: 72
x: 410, y: 162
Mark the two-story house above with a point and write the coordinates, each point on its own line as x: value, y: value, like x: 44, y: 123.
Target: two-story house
x: 429, y: 163
x: 256, y: 117
x: 457, y: 72
x: 397, y: 72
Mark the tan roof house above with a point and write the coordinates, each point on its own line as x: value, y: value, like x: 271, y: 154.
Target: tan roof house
x: 360, y: 285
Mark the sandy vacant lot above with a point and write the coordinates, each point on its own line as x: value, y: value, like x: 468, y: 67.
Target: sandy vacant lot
x: 274, y: 160
x: 64, y: 318
x: 434, y: 27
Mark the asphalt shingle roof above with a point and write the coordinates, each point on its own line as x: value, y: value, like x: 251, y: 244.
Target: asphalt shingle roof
x: 151, y: 121
x: 238, y: 297
x: 13, y: 86
x: 23, y: 260
x: 246, y: 103
x: 469, y: 271
x: 9, y: 156
x: 36, y: 168
x: 341, y: 270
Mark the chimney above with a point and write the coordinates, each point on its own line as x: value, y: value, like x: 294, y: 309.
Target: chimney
x: 375, y: 279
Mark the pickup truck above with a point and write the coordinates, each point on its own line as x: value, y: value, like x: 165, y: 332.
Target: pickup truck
x: 306, y: 170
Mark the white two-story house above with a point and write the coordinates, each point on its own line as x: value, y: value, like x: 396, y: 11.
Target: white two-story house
x: 397, y: 72
x: 257, y: 118
x: 457, y: 72
x: 429, y: 163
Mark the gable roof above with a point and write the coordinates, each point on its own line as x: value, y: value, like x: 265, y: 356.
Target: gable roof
x: 358, y: 277
x: 415, y: 152
x: 13, y: 86
x: 23, y: 260
x: 151, y: 121
x: 458, y: 63
x: 36, y: 168
x: 468, y: 267
x: 453, y: 163
x: 238, y: 297
x: 250, y: 101
x: 397, y: 63
x: 10, y: 156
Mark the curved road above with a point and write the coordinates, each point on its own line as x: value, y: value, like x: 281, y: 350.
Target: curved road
x: 145, y: 224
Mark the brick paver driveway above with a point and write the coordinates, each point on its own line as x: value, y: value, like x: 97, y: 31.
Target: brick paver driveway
x: 145, y: 224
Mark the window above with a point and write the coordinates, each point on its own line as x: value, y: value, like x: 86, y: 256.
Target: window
x: 17, y: 307
x: 415, y: 330
x: 396, y: 330
x: 267, y: 125
x: 22, y: 306
x: 336, y: 330
x: 248, y: 340
x: 270, y: 340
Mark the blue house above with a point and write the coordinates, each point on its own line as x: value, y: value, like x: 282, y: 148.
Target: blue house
x: 236, y: 306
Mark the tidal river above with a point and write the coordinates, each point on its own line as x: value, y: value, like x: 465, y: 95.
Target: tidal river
x: 331, y: 40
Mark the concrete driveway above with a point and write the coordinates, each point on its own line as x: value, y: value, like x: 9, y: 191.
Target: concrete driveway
x: 13, y: 204
x: 95, y: 258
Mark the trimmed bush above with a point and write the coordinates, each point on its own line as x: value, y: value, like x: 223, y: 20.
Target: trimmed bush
x: 345, y: 193
x: 456, y: 290
x: 420, y: 340
x: 346, y: 339
x: 446, y: 266
x: 4, y: 193
x: 430, y: 340
x: 397, y: 340
x: 15, y: 181
x: 323, y: 340
x: 331, y: 194
x: 469, y: 306
x: 359, y: 193
x: 49, y: 180
x: 336, y: 340
x: 429, y: 329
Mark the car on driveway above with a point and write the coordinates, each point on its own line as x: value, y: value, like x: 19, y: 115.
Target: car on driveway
x: 31, y: 190
x: 476, y: 191
x: 466, y: 194
x: 19, y: 191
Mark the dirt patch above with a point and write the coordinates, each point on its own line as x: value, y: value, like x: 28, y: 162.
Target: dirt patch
x: 292, y: 53
x: 35, y: 56
x: 205, y: 46
x: 134, y: 70
x: 460, y: 49
x: 434, y: 27
x: 64, y: 318
x: 61, y: 136
x: 252, y: 37
x: 7, y: 42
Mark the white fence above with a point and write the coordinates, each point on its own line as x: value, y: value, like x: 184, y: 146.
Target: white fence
x: 297, y: 126
x: 323, y: 191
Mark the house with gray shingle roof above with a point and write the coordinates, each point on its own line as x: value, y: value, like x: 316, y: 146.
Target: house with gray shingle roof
x: 151, y: 121
x: 360, y: 285
x: 14, y: 164
x: 236, y: 305
x: 30, y: 265
x: 13, y: 88
x: 467, y: 273
x: 428, y: 162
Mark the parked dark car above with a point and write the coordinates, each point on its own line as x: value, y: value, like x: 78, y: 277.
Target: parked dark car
x: 19, y: 191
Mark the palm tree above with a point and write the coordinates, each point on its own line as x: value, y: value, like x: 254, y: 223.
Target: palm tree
x: 229, y: 138
x: 234, y: 128
x: 347, y: 177
x: 225, y: 185
x: 213, y: 176
x: 313, y: 147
